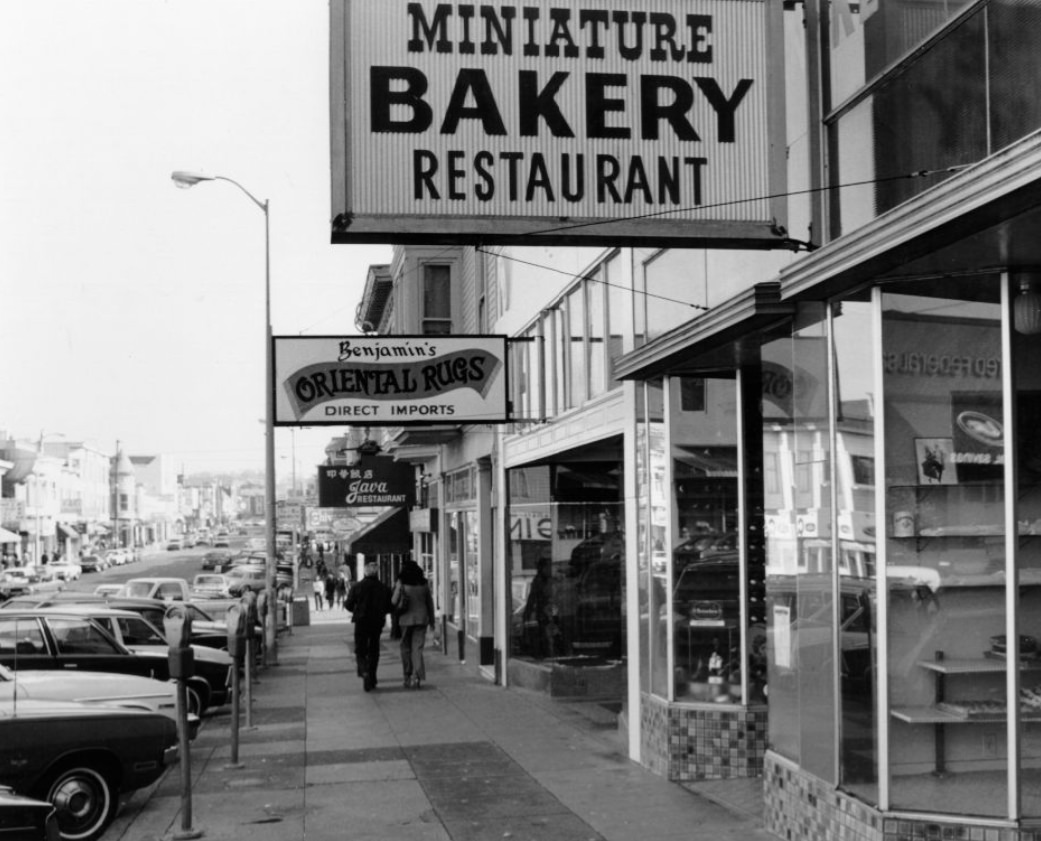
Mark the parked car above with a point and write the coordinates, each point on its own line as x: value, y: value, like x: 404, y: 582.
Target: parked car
x: 26, y: 818
x: 102, y: 688
x: 82, y: 758
x: 66, y: 570
x: 168, y: 589
x: 210, y: 585
x: 116, y: 557
x: 246, y: 577
x: 107, y: 589
x: 93, y: 563
x: 12, y: 585
x: 206, y: 629
x: 216, y: 560
x: 92, y: 638
x: 221, y: 541
x: 174, y: 545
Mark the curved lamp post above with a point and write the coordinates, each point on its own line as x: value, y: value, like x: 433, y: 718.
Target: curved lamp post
x: 185, y: 180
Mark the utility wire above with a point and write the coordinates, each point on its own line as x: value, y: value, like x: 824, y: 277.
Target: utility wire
x: 921, y: 173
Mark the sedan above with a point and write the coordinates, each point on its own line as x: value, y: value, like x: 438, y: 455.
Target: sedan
x: 100, y: 640
x: 210, y: 586
x: 174, y: 545
x: 81, y: 758
x: 206, y: 629
x: 66, y: 570
x: 246, y: 577
x: 93, y: 563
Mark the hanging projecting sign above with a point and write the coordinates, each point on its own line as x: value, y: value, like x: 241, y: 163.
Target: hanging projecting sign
x: 571, y: 121
x: 373, y: 481
x: 389, y: 380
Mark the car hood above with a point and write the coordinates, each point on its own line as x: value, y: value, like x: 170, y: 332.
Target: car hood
x: 87, y: 687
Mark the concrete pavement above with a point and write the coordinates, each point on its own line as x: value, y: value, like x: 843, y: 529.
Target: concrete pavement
x: 459, y: 759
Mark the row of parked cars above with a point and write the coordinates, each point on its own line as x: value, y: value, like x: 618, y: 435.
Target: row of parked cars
x: 87, y: 707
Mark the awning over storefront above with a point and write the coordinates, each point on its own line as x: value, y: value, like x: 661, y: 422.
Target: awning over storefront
x: 8, y: 536
x: 718, y: 339
x: 67, y: 531
x: 99, y: 528
x: 388, y: 534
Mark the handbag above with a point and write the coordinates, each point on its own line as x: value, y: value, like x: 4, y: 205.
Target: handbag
x: 400, y: 601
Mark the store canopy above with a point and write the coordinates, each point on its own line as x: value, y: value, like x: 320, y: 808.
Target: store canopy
x: 388, y: 534
x: 8, y: 536
x: 67, y: 531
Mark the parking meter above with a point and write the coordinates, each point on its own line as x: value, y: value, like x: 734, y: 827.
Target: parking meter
x: 178, y: 625
x: 236, y: 620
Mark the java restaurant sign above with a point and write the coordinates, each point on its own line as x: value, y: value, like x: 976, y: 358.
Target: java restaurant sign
x: 389, y: 380
x: 571, y: 121
x: 374, y: 480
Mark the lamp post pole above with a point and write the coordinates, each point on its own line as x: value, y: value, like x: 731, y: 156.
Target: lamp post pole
x: 190, y: 179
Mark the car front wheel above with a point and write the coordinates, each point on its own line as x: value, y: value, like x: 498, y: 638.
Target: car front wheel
x: 85, y: 800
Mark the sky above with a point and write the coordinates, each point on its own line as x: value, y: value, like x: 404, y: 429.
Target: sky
x: 133, y: 311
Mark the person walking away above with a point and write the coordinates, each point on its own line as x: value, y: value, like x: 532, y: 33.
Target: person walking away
x: 415, y: 608
x: 369, y: 603
x: 330, y: 589
x: 319, y: 592
x: 341, y: 590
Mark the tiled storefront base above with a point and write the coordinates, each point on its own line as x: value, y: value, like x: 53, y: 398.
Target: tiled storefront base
x: 800, y: 807
x: 686, y: 742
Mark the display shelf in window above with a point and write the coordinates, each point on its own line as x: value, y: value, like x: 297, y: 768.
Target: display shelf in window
x: 944, y: 711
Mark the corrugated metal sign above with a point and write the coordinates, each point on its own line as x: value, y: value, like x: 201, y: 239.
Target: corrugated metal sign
x: 578, y: 121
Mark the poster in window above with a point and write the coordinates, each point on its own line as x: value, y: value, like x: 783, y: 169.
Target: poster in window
x: 979, y: 436
x: 934, y: 457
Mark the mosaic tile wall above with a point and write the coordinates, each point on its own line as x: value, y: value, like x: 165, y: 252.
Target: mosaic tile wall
x: 799, y: 807
x: 702, y: 743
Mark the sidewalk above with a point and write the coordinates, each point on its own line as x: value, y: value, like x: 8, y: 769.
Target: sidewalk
x: 460, y: 759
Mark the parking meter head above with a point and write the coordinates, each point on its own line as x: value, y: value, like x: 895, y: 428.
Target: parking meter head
x: 177, y: 622
x: 236, y: 623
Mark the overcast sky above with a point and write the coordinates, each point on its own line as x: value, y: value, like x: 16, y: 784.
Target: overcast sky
x: 132, y: 310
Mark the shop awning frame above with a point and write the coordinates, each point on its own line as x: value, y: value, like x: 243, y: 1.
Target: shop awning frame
x: 7, y: 536
x: 68, y: 532
x: 716, y: 339
x: 388, y: 534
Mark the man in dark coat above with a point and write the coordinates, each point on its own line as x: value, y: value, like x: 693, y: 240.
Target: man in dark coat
x: 369, y: 603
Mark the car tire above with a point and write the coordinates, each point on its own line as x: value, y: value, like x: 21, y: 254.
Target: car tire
x: 85, y: 798
x: 201, y: 692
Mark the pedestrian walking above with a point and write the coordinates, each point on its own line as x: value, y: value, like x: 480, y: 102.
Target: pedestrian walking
x: 319, y: 592
x: 330, y: 589
x: 369, y: 603
x: 341, y: 590
x: 414, y: 606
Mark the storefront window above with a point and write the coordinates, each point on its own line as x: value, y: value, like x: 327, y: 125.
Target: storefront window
x: 945, y: 434
x: 652, y: 516
x: 454, y: 607
x: 854, y: 536
x: 801, y: 621
x: 470, y: 536
x: 567, y: 562
x: 706, y: 566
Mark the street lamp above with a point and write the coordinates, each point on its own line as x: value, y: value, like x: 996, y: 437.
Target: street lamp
x: 185, y: 180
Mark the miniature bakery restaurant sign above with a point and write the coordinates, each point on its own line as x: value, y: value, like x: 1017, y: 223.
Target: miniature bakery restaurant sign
x: 389, y: 380
x: 578, y: 121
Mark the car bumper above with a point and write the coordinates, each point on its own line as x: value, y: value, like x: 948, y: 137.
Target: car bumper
x: 171, y: 755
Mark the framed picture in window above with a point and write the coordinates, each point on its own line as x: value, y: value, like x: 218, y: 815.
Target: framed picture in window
x: 935, y: 460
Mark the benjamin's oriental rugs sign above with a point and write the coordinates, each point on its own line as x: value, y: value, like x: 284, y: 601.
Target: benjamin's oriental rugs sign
x: 576, y: 121
x: 389, y: 380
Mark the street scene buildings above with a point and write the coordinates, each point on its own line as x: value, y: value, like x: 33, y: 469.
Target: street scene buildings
x: 701, y: 383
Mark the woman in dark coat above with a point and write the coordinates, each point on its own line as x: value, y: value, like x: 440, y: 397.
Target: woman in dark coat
x: 414, y: 621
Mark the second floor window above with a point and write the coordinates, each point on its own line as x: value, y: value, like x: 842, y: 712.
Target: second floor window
x: 437, y: 300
